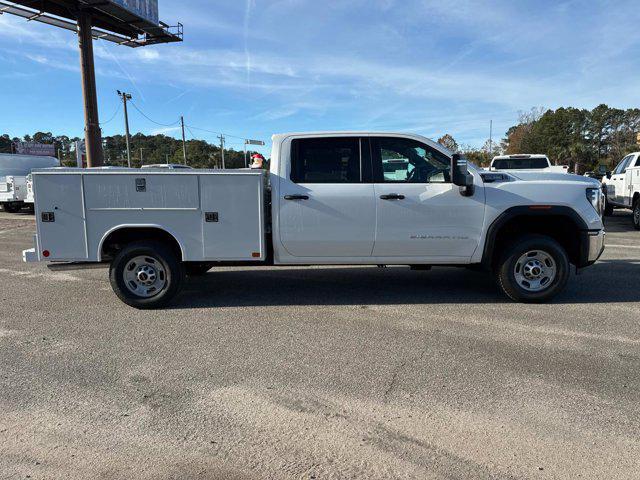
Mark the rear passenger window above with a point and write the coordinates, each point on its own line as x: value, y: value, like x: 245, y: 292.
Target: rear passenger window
x: 326, y: 160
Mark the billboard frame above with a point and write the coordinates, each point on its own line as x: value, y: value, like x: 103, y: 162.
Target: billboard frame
x: 94, y: 19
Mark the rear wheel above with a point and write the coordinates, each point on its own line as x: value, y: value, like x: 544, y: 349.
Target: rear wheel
x: 146, y: 275
x: 636, y: 214
x: 534, y: 269
x: 11, y: 207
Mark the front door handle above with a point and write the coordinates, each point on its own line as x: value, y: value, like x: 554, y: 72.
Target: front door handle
x: 392, y: 196
x: 296, y: 197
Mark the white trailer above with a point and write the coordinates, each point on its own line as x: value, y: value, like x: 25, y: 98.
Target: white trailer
x: 355, y: 198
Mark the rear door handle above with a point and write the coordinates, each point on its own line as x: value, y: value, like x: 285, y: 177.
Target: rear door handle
x: 392, y: 196
x: 296, y: 197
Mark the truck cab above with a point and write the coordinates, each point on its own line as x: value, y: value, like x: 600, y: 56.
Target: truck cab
x: 622, y: 187
x: 335, y: 198
x: 538, y: 163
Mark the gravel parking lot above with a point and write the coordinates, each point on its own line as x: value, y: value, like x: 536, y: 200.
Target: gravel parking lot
x: 320, y: 373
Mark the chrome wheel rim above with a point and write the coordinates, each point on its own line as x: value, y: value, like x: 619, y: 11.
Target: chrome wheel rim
x: 144, y: 276
x: 535, y: 270
x: 636, y: 214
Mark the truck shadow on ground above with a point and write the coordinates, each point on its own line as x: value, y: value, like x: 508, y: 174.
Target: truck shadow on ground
x: 620, y: 222
x: 280, y: 286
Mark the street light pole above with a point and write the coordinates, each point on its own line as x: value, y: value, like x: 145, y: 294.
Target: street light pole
x: 92, y: 133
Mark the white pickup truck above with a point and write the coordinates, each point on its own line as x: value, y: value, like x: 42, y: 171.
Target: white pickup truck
x: 533, y: 163
x: 13, y: 192
x: 354, y: 198
x: 622, y: 187
x: 13, y: 182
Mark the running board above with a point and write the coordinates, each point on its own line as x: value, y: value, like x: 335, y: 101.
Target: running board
x: 67, y: 266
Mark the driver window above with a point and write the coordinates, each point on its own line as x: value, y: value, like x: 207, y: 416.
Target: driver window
x: 401, y: 160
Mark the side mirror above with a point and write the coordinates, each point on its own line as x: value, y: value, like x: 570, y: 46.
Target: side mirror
x: 608, y: 175
x: 460, y: 175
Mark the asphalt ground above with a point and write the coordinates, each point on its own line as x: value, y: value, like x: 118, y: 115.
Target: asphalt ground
x: 320, y: 373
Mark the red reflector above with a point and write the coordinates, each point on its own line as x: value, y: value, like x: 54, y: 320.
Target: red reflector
x: 46, y: 253
x: 540, y: 207
x: 255, y: 254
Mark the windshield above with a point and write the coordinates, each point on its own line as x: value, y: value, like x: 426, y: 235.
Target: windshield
x: 520, y: 163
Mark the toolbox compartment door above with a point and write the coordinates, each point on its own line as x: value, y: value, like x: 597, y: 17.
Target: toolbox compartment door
x: 232, y: 217
x: 141, y: 191
x: 61, y: 202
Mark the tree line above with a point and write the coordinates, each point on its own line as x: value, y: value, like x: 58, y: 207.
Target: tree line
x: 145, y: 150
x: 585, y: 140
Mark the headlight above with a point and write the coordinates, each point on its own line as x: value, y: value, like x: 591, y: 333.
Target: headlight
x: 595, y: 197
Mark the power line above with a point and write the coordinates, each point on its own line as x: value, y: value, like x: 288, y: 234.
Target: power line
x: 113, y: 116
x: 151, y: 120
x: 186, y: 126
x: 216, y: 133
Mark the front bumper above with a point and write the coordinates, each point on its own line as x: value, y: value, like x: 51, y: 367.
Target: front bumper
x: 593, y: 244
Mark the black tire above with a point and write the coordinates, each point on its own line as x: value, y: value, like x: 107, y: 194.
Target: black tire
x: 172, y: 270
x: 506, y: 269
x: 636, y: 214
x: 11, y: 207
x: 197, y: 269
x: 608, y: 208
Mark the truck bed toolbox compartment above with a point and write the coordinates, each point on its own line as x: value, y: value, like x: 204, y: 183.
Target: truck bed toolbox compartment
x: 214, y: 215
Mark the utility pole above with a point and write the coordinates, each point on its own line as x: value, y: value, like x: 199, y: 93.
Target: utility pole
x: 490, y: 138
x: 141, y: 160
x: 184, y: 142
x: 92, y: 133
x: 125, y: 97
x: 221, y: 137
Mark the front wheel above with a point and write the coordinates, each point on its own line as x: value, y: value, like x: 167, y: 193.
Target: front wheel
x: 146, y: 275
x: 608, y: 208
x: 636, y: 214
x: 534, y: 269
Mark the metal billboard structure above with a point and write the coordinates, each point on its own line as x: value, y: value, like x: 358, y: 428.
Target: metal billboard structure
x: 132, y: 23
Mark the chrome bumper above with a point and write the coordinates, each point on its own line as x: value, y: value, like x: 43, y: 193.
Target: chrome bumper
x: 596, y: 245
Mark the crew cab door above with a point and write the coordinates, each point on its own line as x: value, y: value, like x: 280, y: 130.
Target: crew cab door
x: 616, y: 192
x: 631, y: 175
x: 420, y: 213
x: 326, y: 202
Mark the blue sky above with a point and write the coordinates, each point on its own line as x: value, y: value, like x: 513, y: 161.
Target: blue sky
x: 252, y: 68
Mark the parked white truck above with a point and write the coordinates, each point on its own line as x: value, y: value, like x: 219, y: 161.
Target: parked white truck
x: 13, y: 192
x: 13, y: 178
x: 535, y: 163
x: 330, y: 199
x: 622, y: 187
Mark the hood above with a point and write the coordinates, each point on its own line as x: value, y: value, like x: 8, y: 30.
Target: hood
x: 554, y: 177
